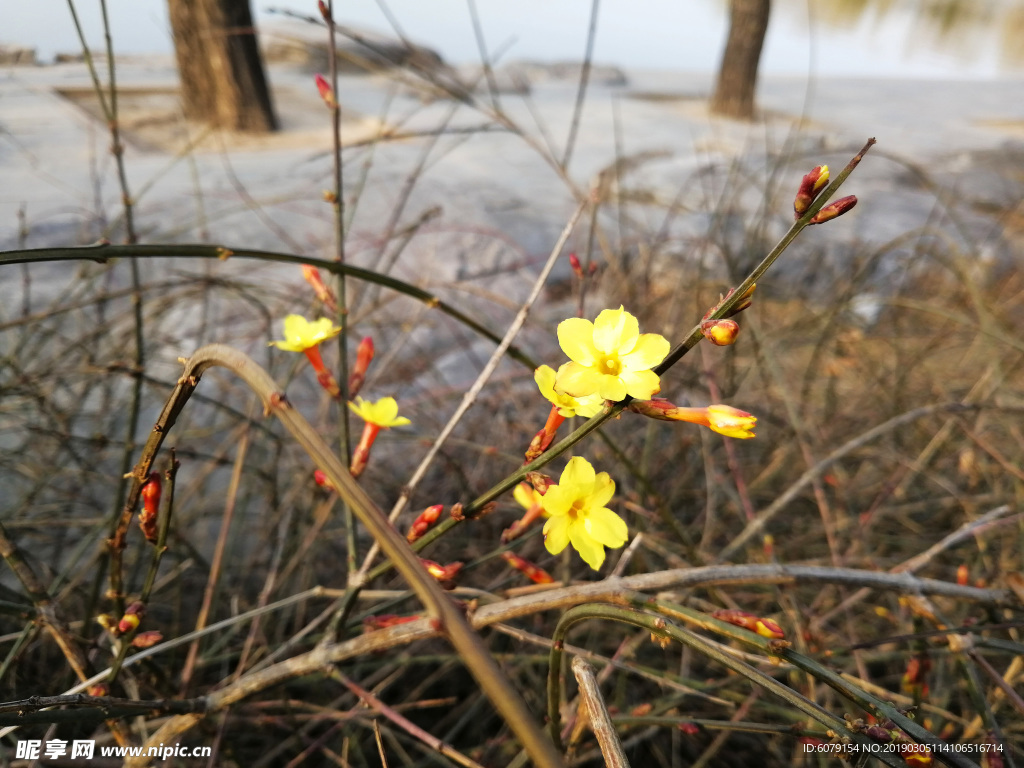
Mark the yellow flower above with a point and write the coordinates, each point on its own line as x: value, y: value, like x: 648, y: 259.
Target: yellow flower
x: 568, y: 406
x: 300, y: 334
x: 577, y: 514
x: 610, y: 357
x: 383, y: 413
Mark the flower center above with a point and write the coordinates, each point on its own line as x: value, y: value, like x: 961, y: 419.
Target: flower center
x: 611, y: 366
x: 575, y: 509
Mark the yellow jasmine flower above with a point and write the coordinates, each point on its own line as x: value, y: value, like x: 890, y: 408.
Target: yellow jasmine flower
x: 300, y: 334
x: 380, y: 415
x: 577, y: 513
x: 383, y: 413
x: 610, y: 358
x: 567, y: 405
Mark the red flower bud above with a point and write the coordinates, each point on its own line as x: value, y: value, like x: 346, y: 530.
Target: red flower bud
x: 764, y: 627
x: 320, y: 289
x: 832, y: 210
x: 323, y: 10
x: 810, y: 186
x: 320, y: 478
x: 326, y: 93
x: 577, y: 268
x: 150, y: 506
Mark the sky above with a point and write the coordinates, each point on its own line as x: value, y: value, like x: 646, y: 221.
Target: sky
x: 685, y: 35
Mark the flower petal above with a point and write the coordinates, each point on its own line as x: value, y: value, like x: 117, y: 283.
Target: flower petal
x: 613, y: 388
x: 590, y: 550
x: 642, y: 385
x: 545, y: 378
x: 577, y: 478
x: 557, y: 500
x: 556, y: 534
x: 606, y: 527
x: 604, y: 489
x: 578, y: 380
x: 526, y: 496
x: 588, y: 406
x: 576, y: 338
x: 650, y: 349
x: 615, y: 330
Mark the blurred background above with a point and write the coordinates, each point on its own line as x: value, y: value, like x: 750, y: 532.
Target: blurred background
x: 874, y: 38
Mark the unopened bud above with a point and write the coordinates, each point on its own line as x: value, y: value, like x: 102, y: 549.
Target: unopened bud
x: 147, y: 639
x: 150, y: 513
x: 577, y: 268
x: 326, y: 93
x: 962, y: 575
x: 832, y: 210
x: 320, y: 478
x: 532, y: 572
x: 364, y: 356
x: 810, y: 186
x: 133, y: 616
x: 423, y: 522
x: 320, y: 289
x: 721, y: 333
x: 385, y: 620
x: 326, y: 14
x: 443, y: 573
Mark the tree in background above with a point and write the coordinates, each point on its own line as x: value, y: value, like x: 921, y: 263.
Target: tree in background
x: 737, y: 76
x: 219, y: 64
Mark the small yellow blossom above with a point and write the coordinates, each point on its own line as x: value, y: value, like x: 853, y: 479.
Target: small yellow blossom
x: 577, y: 513
x: 300, y: 334
x: 568, y: 406
x: 610, y: 358
x: 383, y: 413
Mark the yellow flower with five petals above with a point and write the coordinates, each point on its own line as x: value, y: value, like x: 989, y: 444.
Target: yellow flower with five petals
x: 300, y: 334
x: 383, y: 413
x: 577, y: 513
x: 610, y: 357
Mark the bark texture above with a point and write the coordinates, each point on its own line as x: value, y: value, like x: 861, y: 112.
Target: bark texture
x: 737, y: 76
x: 222, y: 78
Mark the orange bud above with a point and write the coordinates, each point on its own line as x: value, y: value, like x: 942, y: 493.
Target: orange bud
x: 325, y: 91
x: 320, y: 289
x: 764, y: 627
x: 423, y: 522
x: 721, y: 333
x: 364, y: 356
x: 100, y: 689
x: 690, y: 729
x: 443, y: 573
x: 532, y: 572
x: 832, y: 210
x: 146, y: 639
x: 150, y: 506
x: 385, y: 620
x: 361, y: 455
x: 962, y: 575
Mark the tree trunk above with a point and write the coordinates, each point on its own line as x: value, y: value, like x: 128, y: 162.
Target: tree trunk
x: 219, y: 64
x: 737, y: 76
